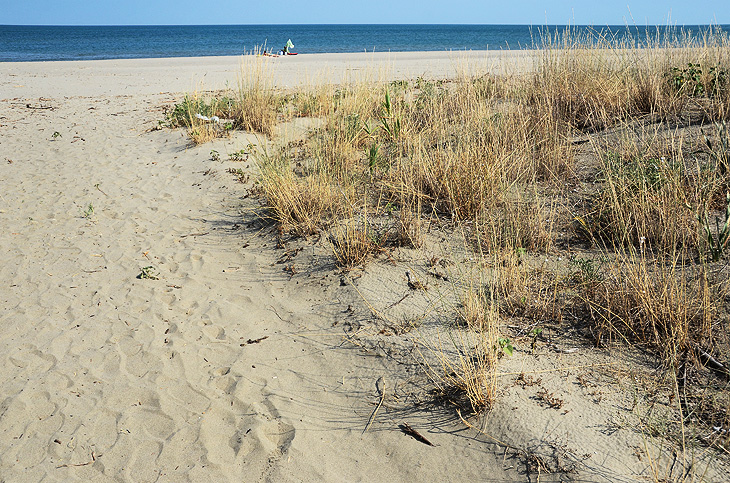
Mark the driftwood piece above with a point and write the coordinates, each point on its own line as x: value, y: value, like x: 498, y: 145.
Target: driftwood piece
x: 380, y: 387
x: 717, y: 367
x: 406, y: 428
x: 38, y: 108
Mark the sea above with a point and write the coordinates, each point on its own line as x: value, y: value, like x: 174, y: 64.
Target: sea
x: 49, y: 43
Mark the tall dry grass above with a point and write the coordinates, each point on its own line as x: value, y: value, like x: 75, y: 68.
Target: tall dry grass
x: 498, y: 157
x: 463, y: 363
x: 301, y: 204
x: 659, y: 303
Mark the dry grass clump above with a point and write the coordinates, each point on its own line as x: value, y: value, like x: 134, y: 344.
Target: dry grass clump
x: 463, y: 161
x: 660, y: 304
x: 525, y: 288
x: 521, y: 221
x: 316, y: 101
x: 592, y: 82
x: 459, y: 182
x: 301, y: 205
x: 353, y: 244
x: 466, y: 360
x: 473, y: 307
x: 257, y: 104
x: 592, y: 86
x: 254, y: 106
x: 651, y: 195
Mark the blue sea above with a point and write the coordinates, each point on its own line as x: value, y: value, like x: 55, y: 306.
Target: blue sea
x: 44, y: 43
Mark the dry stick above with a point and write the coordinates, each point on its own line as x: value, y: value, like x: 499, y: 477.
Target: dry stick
x: 396, y: 303
x: 39, y: 107
x: 715, y: 366
x: 406, y: 428
x: 97, y: 187
x: 380, y: 386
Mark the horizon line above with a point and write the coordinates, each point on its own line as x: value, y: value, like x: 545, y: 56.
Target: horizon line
x: 674, y: 25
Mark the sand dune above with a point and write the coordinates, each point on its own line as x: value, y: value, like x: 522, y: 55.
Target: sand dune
x: 221, y: 367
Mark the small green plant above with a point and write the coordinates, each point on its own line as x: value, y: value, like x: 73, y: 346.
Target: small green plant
x: 719, y: 79
x: 535, y: 334
x: 374, y: 160
x: 56, y: 135
x: 692, y: 81
x: 88, y: 212
x: 241, y: 155
x: 389, y: 122
x: 688, y: 79
x: 717, y: 243
x: 506, y: 345
x: 587, y: 269
x: 399, y: 84
x: 149, y: 273
x: 214, y: 155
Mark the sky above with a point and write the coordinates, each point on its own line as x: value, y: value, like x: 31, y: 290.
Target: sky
x: 207, y: 12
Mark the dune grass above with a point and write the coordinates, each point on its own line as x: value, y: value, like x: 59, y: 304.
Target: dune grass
x: 613, y: 156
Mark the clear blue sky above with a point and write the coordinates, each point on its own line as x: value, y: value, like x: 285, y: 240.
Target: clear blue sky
x: 166, y: 12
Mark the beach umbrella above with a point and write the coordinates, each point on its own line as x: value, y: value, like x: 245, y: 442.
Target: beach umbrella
x: 289, y: 45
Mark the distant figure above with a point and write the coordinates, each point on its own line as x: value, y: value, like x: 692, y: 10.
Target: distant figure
x: 288, y: 46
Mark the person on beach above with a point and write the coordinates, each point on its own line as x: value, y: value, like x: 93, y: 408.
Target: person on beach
x: 288, y: 46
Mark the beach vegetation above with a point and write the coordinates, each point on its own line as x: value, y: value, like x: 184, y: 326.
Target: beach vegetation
x: 583, y: 188
x: 148, y: 273
x: 88, y: 212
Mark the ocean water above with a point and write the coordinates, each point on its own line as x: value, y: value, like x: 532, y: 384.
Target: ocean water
x: 44, y: 43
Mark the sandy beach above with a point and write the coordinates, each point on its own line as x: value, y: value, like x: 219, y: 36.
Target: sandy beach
x: 152, y: 333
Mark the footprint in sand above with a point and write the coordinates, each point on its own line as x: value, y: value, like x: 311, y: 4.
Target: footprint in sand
x: 224, y: 381
x: 31, y: 360
x: 244, y: 442
x: 184, y: 395
x: 144, y: 467
x: 214, y: 332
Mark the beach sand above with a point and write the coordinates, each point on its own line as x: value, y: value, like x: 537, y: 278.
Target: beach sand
x: 225, y: 367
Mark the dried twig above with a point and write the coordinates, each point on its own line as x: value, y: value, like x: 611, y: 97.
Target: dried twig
x: 406, y: 428
x: 380, y: 387
x: 399, y: 301
x: 40, y: 107
x: 255, y: 341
